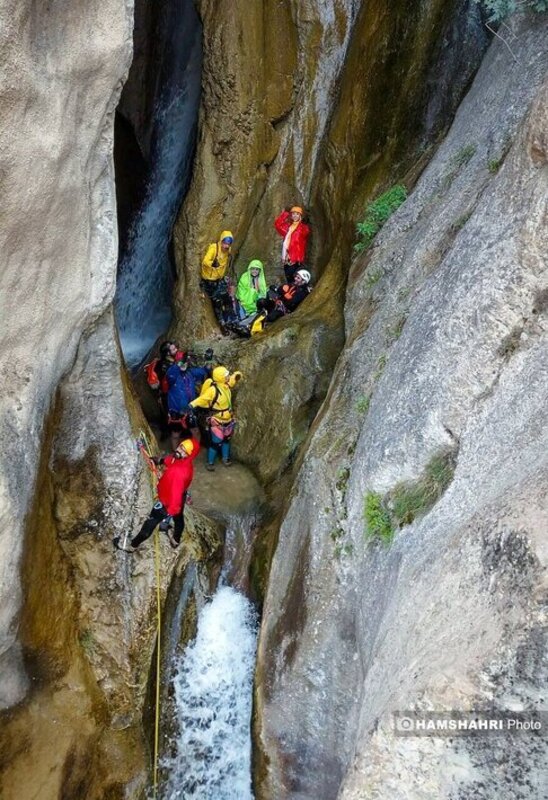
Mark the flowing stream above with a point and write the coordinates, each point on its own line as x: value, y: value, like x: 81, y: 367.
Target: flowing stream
x: 213, y: 694
x: 212, y: 679
x: 145, y: 272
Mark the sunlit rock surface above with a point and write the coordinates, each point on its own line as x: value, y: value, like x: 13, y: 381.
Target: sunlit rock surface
x: 446, y: 348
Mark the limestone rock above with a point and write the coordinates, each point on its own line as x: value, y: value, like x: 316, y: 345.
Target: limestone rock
x: 88, y: 621
x: 446, y: 347
x: 62, y: 72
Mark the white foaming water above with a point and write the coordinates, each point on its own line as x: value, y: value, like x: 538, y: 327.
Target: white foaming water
x: 143, y: 293
x: 213, y: 692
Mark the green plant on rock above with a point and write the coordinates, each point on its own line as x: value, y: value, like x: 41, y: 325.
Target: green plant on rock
x: 87, y: 641
x: 336, y: 534
x: 411, y: 500
x: 381, y: 364
x: 342, y: 479
x: 373, y: 277
x: 377, y: 519
x: 463, y: 156
x: 362, y: 406
x: 494, y: 164
x: 458, y: 160
x: 377, y: 213
x: 394, y: 331
x: 461, y: 221
x: 500, y: 9
x: 343, y: 549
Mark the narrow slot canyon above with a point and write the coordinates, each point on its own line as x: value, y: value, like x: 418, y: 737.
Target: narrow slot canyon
x: 376, y: 548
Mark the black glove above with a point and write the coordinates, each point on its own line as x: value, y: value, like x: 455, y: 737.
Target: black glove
x: 191, y: 419
x: 208, y: 355
x: 287, y: 209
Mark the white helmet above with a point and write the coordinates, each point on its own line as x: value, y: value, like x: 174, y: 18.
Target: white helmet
x: 305, y: 275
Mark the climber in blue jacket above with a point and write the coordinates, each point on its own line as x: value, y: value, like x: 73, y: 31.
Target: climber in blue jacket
x: 184, y: 382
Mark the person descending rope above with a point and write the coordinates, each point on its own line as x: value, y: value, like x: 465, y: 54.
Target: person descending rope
x: 216, y: 396
x: 284, y: 299
x: 184, y: 382
x: 172, y: 489
x: 295, y: 234
x: 215, y: 280
x: 251, y: 287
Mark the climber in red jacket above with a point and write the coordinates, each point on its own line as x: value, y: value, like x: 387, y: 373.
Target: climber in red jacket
x: 172, y: 489
x: 295, y: 232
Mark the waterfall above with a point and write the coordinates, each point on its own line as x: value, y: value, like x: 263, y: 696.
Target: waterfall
x: 213, y: 693
x: 145, y: 272
x: 213, y: 686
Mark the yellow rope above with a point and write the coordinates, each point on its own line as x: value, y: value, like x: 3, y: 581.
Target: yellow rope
x: 143, y: 435
x: 158, y: 663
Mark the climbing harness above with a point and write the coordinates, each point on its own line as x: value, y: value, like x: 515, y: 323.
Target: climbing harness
x: 145, y: 450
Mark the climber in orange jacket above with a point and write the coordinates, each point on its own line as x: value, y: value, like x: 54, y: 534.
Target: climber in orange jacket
x: 295, y: 232
x: 172, y: 489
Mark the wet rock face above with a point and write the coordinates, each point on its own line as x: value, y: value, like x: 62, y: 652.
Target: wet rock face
x: 446, y: 348
x: 62, y: 77
x: 270, y: 72
x: 88, y: 620
x: 290, y: 92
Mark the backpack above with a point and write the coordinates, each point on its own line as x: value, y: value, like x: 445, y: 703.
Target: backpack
x: 258, y: 324
x: 153, y: 379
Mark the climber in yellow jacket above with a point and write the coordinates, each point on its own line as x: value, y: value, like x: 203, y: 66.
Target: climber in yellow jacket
x: 215, y: 284
x: 216, y: 396
x: 217, y: 258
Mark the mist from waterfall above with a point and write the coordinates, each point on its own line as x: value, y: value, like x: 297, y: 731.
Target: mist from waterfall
x: 145, y: 272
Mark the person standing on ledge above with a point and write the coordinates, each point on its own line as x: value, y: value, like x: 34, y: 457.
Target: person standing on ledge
x: 295, y: 232
x: 172, y: 489
x: 214, y: 282
x: 216, y: 397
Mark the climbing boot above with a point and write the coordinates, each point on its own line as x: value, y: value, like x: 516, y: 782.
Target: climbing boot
x: 172, y: 540
x: 227, y: 462
x: 210, y: 467
x: 127, y: 548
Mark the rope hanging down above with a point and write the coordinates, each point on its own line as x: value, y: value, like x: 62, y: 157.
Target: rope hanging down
x: 144, y: 448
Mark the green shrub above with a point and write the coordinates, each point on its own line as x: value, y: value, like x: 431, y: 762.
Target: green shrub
x: 411, y: 500
x: 499, y: 9
x: 394, y: 331
x: 362, y: 406
x: 373, y: 277
x: 341, y: 550
x: 381, y: 364
x: 494, y: 165
x: 463, y: 155
x: 377, y: 520
x: 461, y: 221
x: 87, y: 640
x: 377, y: 213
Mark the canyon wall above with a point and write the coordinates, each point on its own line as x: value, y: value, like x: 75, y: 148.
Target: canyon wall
x: 445, y: 357
x: 77, y: 625
x: 61, y: 79
x: 281, y: 80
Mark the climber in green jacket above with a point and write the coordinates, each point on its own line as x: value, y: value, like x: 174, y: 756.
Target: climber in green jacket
x: 251, y: 286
